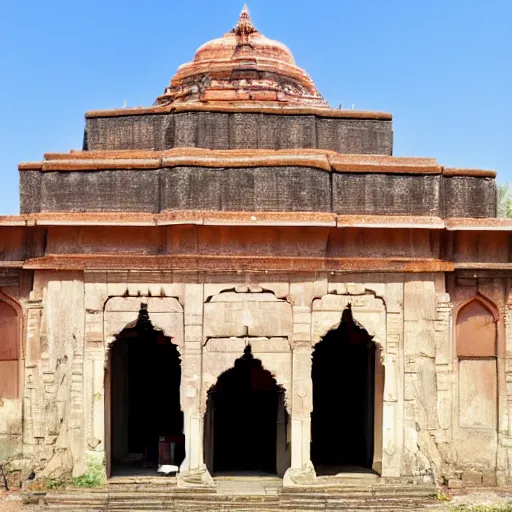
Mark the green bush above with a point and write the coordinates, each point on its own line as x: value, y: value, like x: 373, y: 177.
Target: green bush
x: 93, y: 477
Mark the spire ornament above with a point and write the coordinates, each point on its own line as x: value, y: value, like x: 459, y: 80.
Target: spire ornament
x: 244, y: 27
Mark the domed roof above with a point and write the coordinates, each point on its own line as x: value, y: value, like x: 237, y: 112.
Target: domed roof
x: 242, y: 67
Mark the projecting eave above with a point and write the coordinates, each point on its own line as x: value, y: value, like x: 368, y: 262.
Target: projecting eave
x: 214, y: 262
x: 255, y: 219
x: 329, y: 161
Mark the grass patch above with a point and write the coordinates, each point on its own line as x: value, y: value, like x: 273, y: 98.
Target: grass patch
x: 93, y: 477
x: 439, y: 496
x: 54, y: 483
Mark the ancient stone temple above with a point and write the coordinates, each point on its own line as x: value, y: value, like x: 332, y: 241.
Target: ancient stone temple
x: 241, y: 279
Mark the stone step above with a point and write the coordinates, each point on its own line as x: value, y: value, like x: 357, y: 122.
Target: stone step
x: 274, y: 504
x: 358, y: 492
x: 185, y: 494
x: 124, y: 480
x: 259, y: 508
x: 234, y: 497
x: 248, y: 495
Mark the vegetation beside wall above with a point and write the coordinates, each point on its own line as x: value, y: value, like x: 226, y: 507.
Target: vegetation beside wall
x: 505, y: 200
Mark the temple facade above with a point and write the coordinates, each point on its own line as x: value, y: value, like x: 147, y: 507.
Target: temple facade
x: 241, y: 279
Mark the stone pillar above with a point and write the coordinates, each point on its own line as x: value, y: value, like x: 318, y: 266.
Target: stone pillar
x: 193, y: 471
x: 301, y: 471
x: 33, y: 425
x: 95, y: 396
x: 392, y: 426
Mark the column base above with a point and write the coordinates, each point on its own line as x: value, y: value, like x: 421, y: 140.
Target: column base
x: 300, y: 476
x: 195, y: 478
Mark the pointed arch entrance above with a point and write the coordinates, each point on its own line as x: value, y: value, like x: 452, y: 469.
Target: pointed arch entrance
x: 245, y: 420
x: 143, y: 384
x: 10, y: 335
x: 347, y: 398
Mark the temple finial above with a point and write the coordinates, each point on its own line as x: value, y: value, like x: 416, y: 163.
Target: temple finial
x: 244, y: 26
x: 245, y: 12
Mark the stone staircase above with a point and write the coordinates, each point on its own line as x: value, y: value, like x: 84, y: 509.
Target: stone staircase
x: 262, y: 494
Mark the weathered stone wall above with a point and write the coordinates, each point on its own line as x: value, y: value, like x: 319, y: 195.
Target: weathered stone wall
x: 218, y: 130
x: 467, y: 196
x: 286, y: 189
x: 421, y: 427
x: 53, y: 428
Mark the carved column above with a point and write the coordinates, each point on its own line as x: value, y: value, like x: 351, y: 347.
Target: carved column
x: 96, y: 293
x: 33, y: 426
x: 301, y: 471
x: 193, y: 469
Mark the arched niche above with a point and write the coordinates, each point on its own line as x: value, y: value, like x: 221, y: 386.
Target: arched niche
x: 476, y: 337
x: 476, y: 328
x: 10, y: 343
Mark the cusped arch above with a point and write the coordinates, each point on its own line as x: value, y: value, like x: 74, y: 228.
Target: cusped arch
x: 247, y: 359
x: 166, y: 315
x: 367, y: 309
x: 476, y: 327
x: 221, y: 356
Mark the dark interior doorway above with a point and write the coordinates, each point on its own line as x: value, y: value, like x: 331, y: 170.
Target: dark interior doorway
x: 146, y: 419
x: 245, y: 420
x: 342, y: 422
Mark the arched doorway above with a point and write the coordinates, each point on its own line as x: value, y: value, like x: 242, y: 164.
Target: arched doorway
x: 245, y: 421
x: 146, y: 422
x: 342, y: 421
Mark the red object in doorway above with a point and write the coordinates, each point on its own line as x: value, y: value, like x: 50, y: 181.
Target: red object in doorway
x: 168, y: 448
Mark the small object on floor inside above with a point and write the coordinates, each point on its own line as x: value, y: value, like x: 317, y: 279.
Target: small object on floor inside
x: 167, y: 469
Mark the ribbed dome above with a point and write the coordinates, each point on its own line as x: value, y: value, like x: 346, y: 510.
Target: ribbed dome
x: 243, y: 67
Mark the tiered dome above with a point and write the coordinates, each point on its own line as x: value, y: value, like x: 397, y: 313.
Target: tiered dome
x: 242, y: 67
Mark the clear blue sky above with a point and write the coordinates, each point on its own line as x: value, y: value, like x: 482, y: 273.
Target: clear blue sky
x: 442, y: 67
